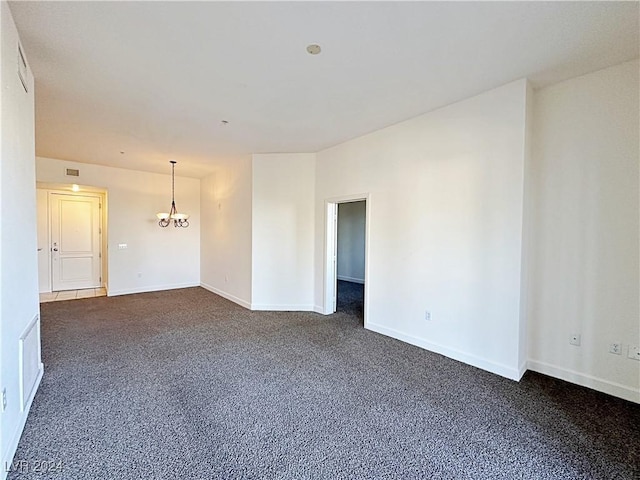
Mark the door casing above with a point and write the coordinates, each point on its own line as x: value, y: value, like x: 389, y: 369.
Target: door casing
x: 331, y: 251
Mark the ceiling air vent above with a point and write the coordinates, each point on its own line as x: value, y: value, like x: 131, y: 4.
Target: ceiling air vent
x: 72, y: 172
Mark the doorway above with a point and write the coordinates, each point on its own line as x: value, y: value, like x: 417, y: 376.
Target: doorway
x: 346, y: 255
x: 350, y: 258
x: 70, y: 241
x: 75, y: 241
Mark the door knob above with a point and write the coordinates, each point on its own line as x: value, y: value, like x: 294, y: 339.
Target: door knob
x: 55, y: 249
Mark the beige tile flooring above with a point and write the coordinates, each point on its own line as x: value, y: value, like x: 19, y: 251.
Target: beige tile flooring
x: 72, y: 294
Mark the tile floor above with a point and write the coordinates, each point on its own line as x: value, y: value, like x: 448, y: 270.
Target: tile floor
x: 72, y: 294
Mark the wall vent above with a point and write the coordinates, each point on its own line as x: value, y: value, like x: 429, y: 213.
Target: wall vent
x: 72, y: 172
x: 30, y: 364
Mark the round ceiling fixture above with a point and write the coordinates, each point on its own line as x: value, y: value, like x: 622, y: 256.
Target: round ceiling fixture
x: 224, y: 122
x: 314, y: 49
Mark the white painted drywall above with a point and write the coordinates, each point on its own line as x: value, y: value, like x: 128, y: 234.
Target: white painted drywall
x: 585, y: 245
x: 44, y: 261
x: 351, y: 241
x: 225, y: 242
x: 155, y: 258
x: 18, y: 258
x: 282, y: 231
x: 446, y: 203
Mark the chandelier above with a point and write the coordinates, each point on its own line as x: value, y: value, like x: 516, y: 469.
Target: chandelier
x: 179, y: 219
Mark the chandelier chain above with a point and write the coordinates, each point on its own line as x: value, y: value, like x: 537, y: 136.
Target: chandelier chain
x: 173, y: 181
x: 179, y: 220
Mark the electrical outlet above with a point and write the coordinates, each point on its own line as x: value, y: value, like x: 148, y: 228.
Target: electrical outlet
x: 4, y: 399
x: 615, y: 348
x: 574, y: 339
x: 634, y: 352
x: 427, y: 315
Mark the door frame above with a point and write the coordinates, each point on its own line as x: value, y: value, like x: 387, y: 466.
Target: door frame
x: 331, y: 251
x: 83, y: 190
x: 51, y: 203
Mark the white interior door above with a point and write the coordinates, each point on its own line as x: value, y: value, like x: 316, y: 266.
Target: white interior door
x: 75, y: 241
x: 331, y: 264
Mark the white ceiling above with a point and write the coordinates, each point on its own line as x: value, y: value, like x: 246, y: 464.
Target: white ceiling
x: 155, y: 79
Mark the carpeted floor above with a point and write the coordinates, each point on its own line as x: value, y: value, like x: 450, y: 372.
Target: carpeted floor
x: 351, y: 299
x: 184, y: 384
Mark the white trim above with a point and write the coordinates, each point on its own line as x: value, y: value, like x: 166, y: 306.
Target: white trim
x: 356, y: 197
x: 330, y: 248
x: 283, y: 308
x: 318, y: 309
x: 12, y: 446
x: 522, y: 369
x: 228, y: 296
x: 351, y: 279
x: 589, y: 381
x: 330, y: 258
x: 468, y: 358
x: 154, y: 288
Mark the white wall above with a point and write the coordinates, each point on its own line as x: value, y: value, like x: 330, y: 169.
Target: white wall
x: 44, y: 244
x: 19, y: 272
x: 282, y: 232
x: 585, y: 245
x: 446, y: 203
x: 155, y: 258
x: 225, y: 242
x: 351, y: 241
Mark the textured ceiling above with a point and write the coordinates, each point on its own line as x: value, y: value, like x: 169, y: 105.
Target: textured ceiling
x: 155, y: 79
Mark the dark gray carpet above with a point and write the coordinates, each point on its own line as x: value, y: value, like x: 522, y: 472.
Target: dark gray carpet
x: 184, y: 384
x: 351, y: 299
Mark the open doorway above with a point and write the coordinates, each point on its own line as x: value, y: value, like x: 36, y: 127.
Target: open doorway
x: 346, y: 253
x: 351, y: 231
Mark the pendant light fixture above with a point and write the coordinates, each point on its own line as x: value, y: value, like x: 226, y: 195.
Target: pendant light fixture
x: 179, y: 219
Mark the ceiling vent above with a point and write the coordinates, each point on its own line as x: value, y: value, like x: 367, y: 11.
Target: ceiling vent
x: 72, y: 172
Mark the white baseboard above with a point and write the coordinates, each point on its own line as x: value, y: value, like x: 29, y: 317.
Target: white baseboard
x: 601, y: 385
x: 470, y: 359
x: 318, y: 309
x: 15, y: 438
x: 351, y: 279
x: 283, y: 308
x: 153, y: 288
x: 228, y: 296
x: 523, y: 369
